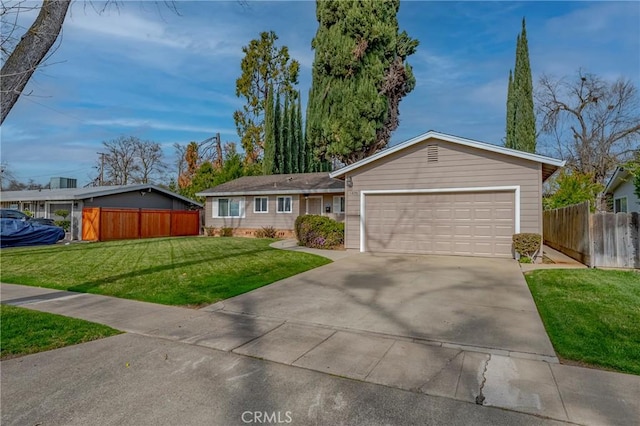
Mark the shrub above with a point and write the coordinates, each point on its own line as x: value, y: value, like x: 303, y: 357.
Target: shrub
x: 64, y: 224
x: 319, y: 232
x: 226, y: 232
x: 528, y: 245
x: 62, y: 213
x: 210, y: 231
x: 266, y: 232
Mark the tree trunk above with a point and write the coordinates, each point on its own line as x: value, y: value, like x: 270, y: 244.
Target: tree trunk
x: 30, y: 51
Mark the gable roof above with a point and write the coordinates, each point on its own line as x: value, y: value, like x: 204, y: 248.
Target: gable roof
x: 296, y: 183
x: 67, y: 194
x: 549, y: 165
x: 620, y: 175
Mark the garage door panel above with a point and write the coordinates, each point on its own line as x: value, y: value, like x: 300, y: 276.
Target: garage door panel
x: 504, y: 231
x: 478, y: 224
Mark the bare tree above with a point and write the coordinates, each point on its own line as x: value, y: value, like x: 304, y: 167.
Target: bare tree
x: 29, y: 52
x: 129, y: 160
x: 595, y: 123
x: 120, y: 165
x: 150, y: 161
x: 22, y: 56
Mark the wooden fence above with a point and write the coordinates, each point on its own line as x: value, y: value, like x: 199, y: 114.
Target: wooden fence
x: 104, y: 224
x: 595, y: 239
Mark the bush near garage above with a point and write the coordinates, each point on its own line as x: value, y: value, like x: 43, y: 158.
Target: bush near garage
x: 528, y: 245
x: 319, y: 232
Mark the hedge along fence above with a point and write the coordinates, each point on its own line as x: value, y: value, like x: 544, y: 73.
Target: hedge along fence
x: 319, y: 232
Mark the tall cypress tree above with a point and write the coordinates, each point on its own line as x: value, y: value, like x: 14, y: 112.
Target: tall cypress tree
x: 360, y: 75
x: 286, y: 135
x: 510, y: 127
x: 277, y: 134
x: 523, y: 125
x: 295, y: 142
x: 302, y: 143
x: 268, y: 162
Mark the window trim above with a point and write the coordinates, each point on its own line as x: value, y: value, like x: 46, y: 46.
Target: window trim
x: 241, y: 210
x: 337, y: 204
x: 626, y: 204
x: 255, y: 204
x: 278, y: 211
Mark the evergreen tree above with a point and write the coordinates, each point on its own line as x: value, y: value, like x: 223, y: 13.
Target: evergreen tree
x: 302, y: 143
x: 510, y: 128
x: 359, y: 77
x: 264, y: 66
x: 523, y: 124
x: 268, y: 162
x: 277, y: 133
x: 295, y: 143
x: 286, y: 142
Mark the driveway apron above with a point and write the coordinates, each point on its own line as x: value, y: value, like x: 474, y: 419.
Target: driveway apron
x: 457, y: 301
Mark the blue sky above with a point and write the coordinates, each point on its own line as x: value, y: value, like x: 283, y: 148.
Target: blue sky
x: 147, y: 72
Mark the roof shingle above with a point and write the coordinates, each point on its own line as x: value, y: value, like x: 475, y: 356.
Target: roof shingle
x: 296, y: 183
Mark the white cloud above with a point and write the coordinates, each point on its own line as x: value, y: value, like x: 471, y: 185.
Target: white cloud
x: 123, y: 25
x: 154, y: 124
x: 492, y: 94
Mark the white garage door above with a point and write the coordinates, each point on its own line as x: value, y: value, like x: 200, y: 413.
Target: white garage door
x: 470, y: 224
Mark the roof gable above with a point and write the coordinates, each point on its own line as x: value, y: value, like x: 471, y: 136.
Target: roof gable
x: 619, y: 176
x: 549, y: 165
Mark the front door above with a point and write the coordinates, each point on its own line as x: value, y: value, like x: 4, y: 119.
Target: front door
x: 314, y: 205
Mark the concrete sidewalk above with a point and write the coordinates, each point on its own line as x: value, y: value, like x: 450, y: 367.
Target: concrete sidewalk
x: 495, y: 378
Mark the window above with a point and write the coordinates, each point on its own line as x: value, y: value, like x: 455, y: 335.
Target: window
x: 620, y: 205
x: 284, y: 205
x: 261, y: 205
x: 230, y: 207
x: 338, y: 204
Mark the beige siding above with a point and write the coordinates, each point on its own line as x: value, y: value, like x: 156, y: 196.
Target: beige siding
x: 271, y: 218
x: 457, y: 166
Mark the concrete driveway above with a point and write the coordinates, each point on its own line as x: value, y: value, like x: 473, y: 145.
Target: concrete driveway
x: 462, y: 301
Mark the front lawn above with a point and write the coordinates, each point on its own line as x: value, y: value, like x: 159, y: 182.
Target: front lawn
x: 23, y: 331
x: 592, y: 316
x: 171, y: 271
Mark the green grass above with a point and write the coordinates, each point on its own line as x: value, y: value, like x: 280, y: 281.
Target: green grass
x: 170, y: 271
x: 592, y: 316
x: 23, y: 331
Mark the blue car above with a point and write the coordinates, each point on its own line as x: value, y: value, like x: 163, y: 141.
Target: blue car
x: 21, y: 232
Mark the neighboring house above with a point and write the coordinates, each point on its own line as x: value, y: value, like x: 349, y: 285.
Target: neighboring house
x: 433, y: 194
x: 44, y: 202
x: 622, y: 192
x: 250, y: 203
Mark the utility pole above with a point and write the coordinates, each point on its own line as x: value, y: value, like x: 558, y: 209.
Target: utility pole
x: 101, y: 177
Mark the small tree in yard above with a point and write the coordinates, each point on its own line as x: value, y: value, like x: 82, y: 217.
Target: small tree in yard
x: 572, y: 188
x: 62, y: 213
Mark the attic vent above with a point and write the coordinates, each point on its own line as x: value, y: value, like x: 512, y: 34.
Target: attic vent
x: 432, y: 154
